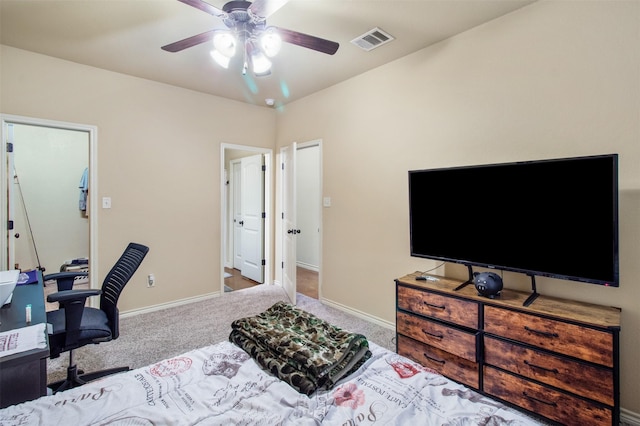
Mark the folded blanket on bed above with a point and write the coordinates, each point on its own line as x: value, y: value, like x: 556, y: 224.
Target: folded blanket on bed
x: 301, y: 349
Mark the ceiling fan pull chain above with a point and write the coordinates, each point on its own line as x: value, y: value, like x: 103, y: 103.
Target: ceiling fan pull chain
x: 245, y: 65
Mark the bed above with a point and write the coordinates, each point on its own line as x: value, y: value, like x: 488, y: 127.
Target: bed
x: 224, y: 384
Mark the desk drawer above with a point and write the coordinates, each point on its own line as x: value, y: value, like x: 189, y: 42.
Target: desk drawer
x: 576, y: 377
x: 456, y: 368
x: 568, y: 339
x: 457, y: 311
x: 451, y: 339
x: 556, y: 405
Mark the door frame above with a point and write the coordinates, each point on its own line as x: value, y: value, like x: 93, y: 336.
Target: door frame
x: 268, y: 206
x: 92, y: 132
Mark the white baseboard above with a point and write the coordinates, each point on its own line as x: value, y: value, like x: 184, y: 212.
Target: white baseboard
x: 629, y: 417
x: 359, y: 314
x: 308, y: 266
x: 171, y: 304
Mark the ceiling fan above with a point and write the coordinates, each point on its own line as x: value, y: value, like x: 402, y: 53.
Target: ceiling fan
x: 247, y: 28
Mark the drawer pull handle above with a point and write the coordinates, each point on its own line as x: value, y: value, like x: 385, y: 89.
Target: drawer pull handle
x: 431, y: 305
x: 553, y: 404
x: 551, y: 370
x: 437, y: 336
x: 542, y: 333
x: 430, y: 358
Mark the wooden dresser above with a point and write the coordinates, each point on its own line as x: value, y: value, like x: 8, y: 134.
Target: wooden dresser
x: 555, y: 358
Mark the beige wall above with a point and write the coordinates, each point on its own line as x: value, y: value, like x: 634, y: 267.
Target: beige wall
x: 551, y: 80
x: 158, y: 160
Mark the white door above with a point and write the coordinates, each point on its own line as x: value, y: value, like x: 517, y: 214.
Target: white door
x: 252, y: 221
x: 289, y: 230
x: 236, y: 187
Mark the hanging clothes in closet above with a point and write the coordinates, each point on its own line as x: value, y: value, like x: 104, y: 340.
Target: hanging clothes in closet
x: 84, y: 190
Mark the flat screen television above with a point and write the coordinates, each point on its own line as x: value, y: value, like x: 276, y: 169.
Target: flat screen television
x: 555, y: 218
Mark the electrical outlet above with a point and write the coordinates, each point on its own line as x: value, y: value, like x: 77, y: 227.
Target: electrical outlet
x: 151, y: 280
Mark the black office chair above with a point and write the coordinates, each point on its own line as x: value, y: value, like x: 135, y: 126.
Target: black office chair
x: 75, y: 325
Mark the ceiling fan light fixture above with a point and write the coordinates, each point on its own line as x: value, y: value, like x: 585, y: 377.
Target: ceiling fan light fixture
x: 225, y: 43
x: 261, y: 65
x: 270, y: 42
x: 246, y: 23
x: 220, y: 59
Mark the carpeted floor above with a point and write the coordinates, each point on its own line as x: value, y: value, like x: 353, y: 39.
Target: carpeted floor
x: 151, y: 337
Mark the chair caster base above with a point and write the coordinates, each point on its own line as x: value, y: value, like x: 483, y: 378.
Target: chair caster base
x: 77, y: 378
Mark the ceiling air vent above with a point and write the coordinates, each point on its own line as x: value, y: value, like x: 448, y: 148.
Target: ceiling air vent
x: 372, y: 39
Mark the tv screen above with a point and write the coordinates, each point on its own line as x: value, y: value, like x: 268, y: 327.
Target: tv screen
x: 555, y: 218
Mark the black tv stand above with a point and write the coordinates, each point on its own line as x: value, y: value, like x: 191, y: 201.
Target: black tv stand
x: 468, y: 281
x: 534, y: 295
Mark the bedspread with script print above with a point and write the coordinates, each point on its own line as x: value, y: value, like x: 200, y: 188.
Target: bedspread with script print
x: 222, y: 385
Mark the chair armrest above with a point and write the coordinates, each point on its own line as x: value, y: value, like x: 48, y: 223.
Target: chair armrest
x: 64, y: 280
x: 72, y: 302
x: 58, y: 275
x: 72, y: 295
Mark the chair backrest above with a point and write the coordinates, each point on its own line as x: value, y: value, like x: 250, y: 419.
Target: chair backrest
x: 115, y: 281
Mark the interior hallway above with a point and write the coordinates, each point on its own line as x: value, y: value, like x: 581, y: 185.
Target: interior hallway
x: 306, y: 281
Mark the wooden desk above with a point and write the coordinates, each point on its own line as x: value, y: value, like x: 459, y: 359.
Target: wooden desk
x: 23, y: 376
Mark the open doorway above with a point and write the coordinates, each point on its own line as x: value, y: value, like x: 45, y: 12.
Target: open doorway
x: 246, y: 223
x: 47, y: 167
x: 308, y: 218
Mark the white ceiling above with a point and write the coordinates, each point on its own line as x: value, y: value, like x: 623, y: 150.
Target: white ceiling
x: 125, y: 36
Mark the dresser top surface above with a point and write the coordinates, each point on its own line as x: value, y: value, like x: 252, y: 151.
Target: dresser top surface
x: 564, y: 309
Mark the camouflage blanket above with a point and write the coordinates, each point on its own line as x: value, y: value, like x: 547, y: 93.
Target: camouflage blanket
x: 299, y: 348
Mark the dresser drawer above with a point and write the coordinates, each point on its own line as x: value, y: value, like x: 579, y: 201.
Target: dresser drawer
x: 461, y: 312
x: 453, y: 340
x: 543, y: 400
x: 456, y: 368
x: 576, y: 377
x: 568, y: 339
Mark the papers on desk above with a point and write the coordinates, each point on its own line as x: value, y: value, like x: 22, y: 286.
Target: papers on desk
x: 23, y: 339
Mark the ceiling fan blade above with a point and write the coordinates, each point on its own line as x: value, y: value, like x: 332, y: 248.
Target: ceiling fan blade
x: 310, y: 42
x: 265, y: 8
x: 189, y: 41
x: 205, y: 7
